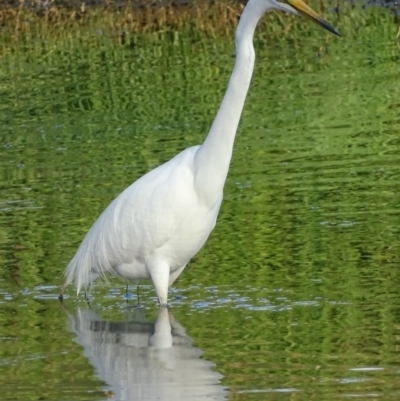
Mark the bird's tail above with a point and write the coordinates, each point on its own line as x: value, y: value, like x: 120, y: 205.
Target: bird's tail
x: 80, y: 271
x: 98, y: 254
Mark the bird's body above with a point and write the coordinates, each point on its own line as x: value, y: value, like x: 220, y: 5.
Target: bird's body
x: 153, y: 228
x: 161, y: 218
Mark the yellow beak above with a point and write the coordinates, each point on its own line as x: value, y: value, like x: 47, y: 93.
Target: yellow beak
x: 304, y: 9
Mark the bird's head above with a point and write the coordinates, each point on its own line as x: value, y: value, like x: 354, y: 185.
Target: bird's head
x: 299, y: 7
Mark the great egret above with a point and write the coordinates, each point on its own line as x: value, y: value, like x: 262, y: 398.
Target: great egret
x: 154, y: 227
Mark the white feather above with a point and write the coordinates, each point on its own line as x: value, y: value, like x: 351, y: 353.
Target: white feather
x: 159, y: 214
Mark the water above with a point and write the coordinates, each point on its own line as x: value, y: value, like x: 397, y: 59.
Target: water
x: 294, y: 296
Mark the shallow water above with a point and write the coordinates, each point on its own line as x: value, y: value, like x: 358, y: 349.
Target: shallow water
x: 294, y: 296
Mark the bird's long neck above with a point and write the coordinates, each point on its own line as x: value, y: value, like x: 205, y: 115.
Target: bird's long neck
x: 212, y: 160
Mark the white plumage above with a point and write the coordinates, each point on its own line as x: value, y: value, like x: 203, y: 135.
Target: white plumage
x: 158, y: 221
x: 142, y: 361
x: 153, y: 228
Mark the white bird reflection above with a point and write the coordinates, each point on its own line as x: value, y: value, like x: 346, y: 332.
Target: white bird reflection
x: 146, y: 361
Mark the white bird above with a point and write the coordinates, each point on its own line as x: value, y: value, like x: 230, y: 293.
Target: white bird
x: 154, y: 227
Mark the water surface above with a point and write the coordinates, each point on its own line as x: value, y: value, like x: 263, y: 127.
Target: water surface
x: 294, y: 296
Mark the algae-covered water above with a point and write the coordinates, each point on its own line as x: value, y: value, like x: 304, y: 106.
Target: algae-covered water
x: 296, y: 293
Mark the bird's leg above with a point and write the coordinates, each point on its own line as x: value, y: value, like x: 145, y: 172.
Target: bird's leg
x: 159, y: 273
x: 138, y: 293
x: 87, y: 300
x: 61, y: 294
x: 126, y: 293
